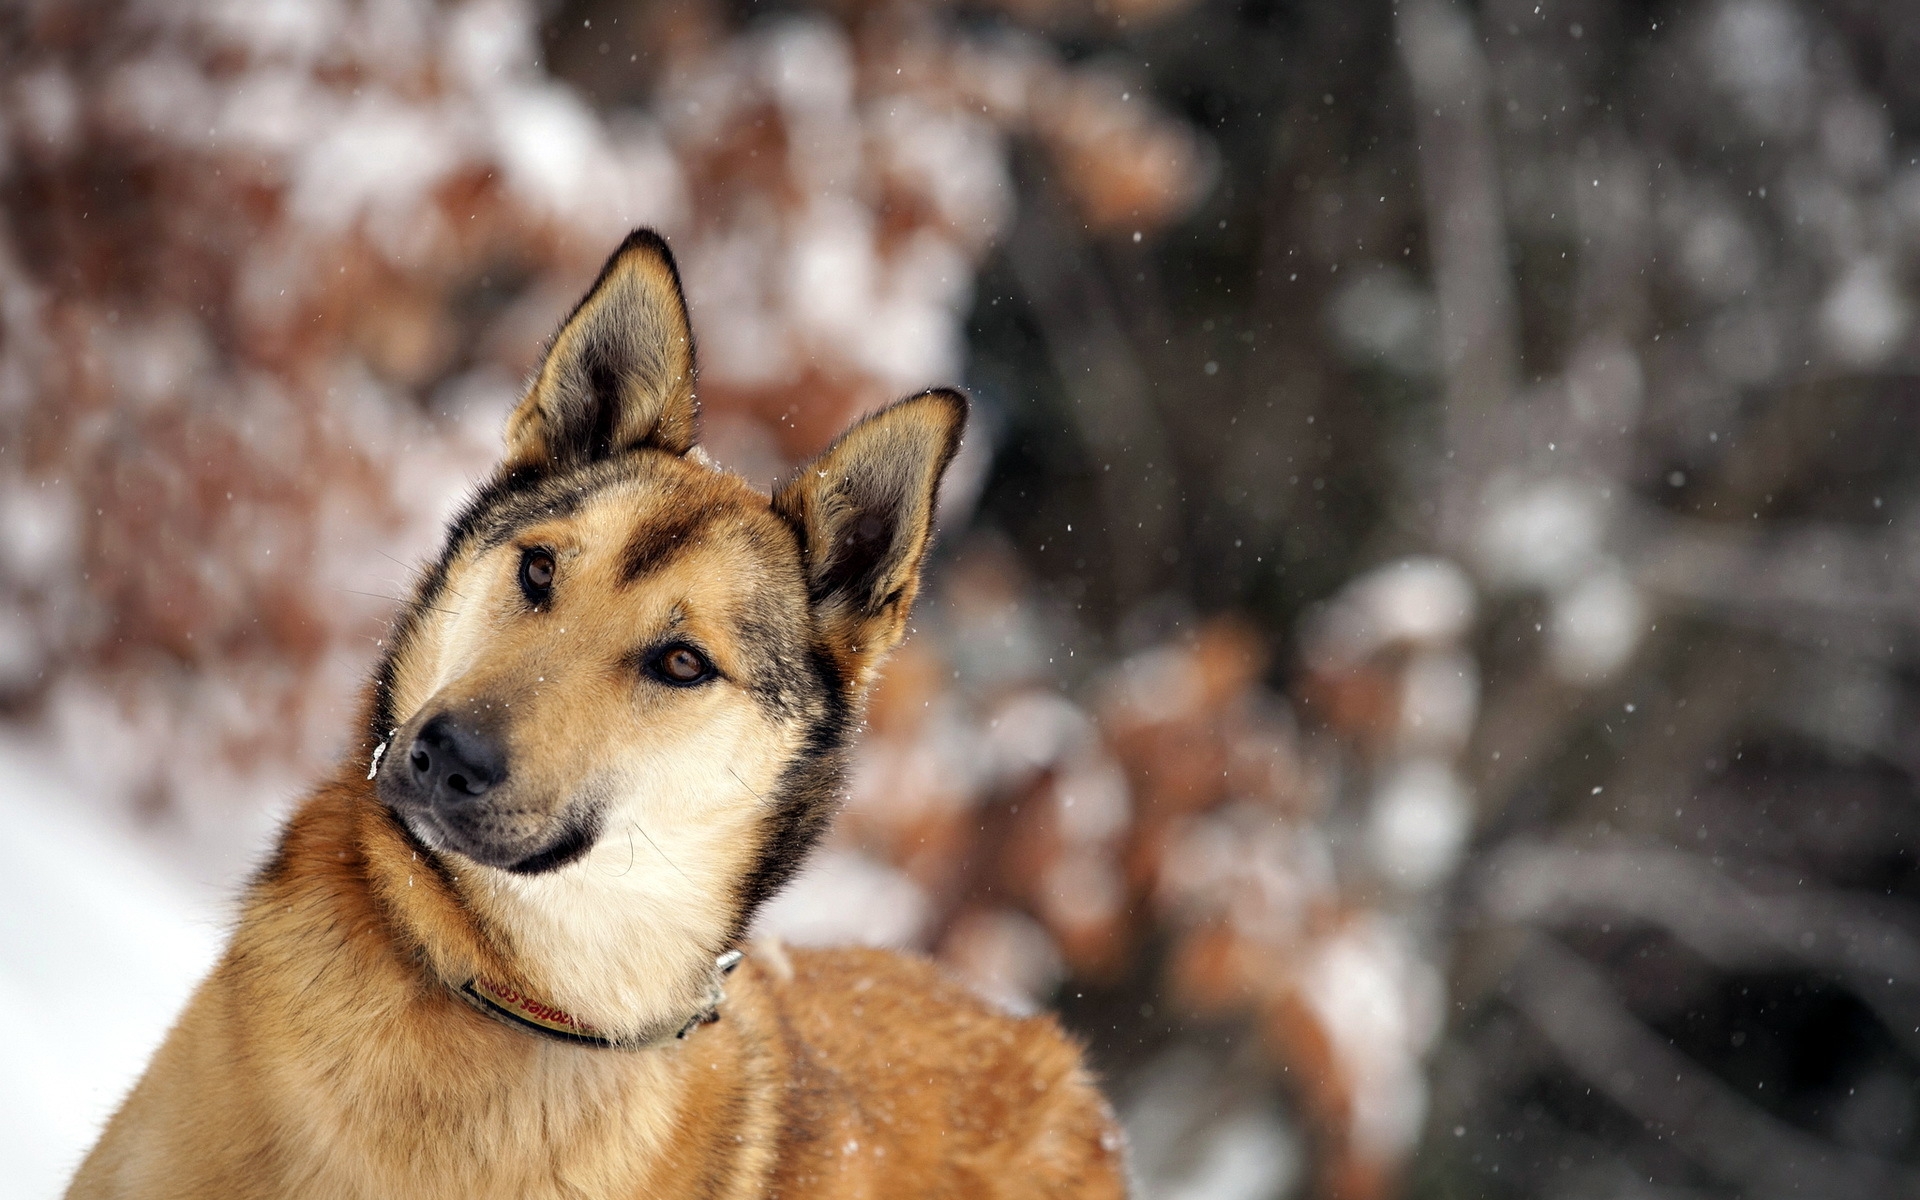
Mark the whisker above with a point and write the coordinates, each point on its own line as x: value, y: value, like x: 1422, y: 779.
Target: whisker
x: 743, y: 783
x: 629, y: 865
x: 395, y: 600
x: 413, y: 569
x: 660, y: 852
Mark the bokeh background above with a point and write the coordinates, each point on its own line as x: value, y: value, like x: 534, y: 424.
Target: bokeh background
x: 1423, y: 661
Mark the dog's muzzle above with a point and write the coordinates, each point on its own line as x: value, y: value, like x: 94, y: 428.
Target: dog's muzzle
x: 449, y: 783
x: 451, y: 765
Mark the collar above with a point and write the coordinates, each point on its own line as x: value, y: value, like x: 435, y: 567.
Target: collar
x: 514, y: 1007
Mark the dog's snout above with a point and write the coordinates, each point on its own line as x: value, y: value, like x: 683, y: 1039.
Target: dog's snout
x: 454, y: 763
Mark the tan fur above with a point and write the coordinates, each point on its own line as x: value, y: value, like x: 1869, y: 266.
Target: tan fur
x: 319, y: 1060
x: 633, y: 829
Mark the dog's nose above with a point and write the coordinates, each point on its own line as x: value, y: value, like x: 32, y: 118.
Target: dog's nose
x: 453, y: 763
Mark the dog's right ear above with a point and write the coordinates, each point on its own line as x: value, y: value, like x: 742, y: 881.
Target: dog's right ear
x: 864, y: 515
x: 619, y: 375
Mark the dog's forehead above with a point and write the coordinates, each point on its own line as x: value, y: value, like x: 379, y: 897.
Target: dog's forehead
x: 651, y: 512
x: 674, y: 507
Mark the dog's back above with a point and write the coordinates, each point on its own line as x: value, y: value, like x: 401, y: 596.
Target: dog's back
x: 895, y: 1080
x: 976, y: 1103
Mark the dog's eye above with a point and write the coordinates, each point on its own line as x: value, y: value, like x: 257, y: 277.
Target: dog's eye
x: 536, y: 574
x: 681, y: 666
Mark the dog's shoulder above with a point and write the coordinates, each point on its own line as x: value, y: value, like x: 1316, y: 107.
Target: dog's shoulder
x: 977, y: 1101
x: 887, y: 1009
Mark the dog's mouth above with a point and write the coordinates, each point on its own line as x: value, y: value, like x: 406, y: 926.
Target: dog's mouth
x: 473, y: 836
x: 576, y: 838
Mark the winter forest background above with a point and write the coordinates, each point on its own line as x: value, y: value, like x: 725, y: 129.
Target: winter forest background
x: 1423, y: 660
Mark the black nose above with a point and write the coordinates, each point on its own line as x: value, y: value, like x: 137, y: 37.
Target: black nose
x: 454, y: 764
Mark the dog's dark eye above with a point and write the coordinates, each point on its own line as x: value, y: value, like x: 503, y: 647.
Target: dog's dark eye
x: 681, y: 666
x: 536, y: 574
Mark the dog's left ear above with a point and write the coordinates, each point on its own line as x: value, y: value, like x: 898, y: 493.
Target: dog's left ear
x: 864, y: 513
x: 619, y: 375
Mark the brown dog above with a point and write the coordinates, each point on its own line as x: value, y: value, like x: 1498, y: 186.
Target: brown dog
x: 494, y: 955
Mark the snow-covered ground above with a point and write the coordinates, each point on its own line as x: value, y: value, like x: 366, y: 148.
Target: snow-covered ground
x: 103, y: 935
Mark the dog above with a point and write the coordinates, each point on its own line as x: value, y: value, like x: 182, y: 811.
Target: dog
x: 502, y: 950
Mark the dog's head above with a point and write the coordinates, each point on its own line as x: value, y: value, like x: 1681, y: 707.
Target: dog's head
x: 617, y: 703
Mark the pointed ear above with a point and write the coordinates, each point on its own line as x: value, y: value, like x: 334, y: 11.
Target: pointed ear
x: 864, y: 513
x: 619, y: 375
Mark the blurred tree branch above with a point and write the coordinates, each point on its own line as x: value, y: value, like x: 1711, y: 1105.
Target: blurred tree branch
x: 1733, y: 927
x: 1572, y: 1004
x: 1459, y: 174
x: 1108, y: 395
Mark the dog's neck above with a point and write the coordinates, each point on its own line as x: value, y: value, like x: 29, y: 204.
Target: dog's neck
x: 352, y: 929
x: 598, y: 941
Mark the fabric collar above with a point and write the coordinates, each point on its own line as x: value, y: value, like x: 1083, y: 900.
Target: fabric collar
x: 514, y: 1007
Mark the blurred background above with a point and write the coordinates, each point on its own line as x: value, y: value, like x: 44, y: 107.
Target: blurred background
x: 1423, y: 659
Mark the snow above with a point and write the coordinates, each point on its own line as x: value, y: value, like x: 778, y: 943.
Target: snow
x: 1379, y: 1002
x: 1419, y: 600
x: 490, y: 39
x: 1866, y: 314
x: 1007, y: 957
x: 1439, y: 700
x: 379, y: 150
x: 1719, y: 254
x: 1757, y: 50
x: 844, y: 896
x: 952, y: 158
x: 830, y: 279
x: 1385, y: 316
x: 47, y: 104
x: 42, y: 526
x: 1605, y: 383
x: 1540, y: 533
x: 1419, y: 823
x: 550, y: 142
x: 1855, y: 138
x: 100, y: 946
x: 1194, y: 1138
x: 1597, y: 624
x: 1251, y: 1155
